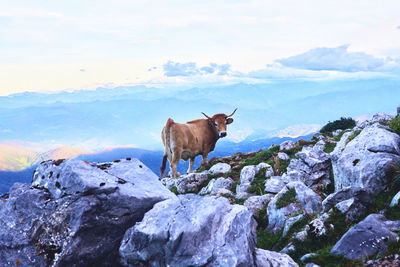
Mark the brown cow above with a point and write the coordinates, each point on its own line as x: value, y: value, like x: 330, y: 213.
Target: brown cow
x: 188, y: 140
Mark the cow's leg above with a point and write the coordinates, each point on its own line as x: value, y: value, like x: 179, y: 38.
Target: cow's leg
x: 176, y: 156
x: 191, y: 162
x: 204, y: 161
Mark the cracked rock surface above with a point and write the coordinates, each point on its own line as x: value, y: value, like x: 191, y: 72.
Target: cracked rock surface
x: 192, y: 231
x: 76, y: 213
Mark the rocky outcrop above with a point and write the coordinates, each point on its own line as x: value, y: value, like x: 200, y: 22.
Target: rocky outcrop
x: 312, y: 168
x: 247, y: 175
x: 369, y: 237
x: 76, y: 213
x: 351, y: 201
x: 257, y: 203
x: 274, y: 184
x: 305, y: 201
x: 189, y: 183
x: 215, y: 185
x: 366, y: 160
x: 191, y: 231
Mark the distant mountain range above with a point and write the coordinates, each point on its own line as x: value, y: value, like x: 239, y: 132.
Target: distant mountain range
x: 150, y: 158
x: 134, y: 116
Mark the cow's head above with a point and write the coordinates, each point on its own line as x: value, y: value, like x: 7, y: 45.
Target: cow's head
x: 220, y: 121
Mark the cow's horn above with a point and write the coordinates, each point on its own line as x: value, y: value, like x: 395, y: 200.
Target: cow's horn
x: 205, y: 115
x: 232, y: 113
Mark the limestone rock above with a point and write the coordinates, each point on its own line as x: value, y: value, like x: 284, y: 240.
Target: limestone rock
x: 369, y: 237
x: 266, y: 258
x: 215, y: 184
x: 191, y: 231
x: 287, y: 145
x: 220, y: 168
x: 365, y: 161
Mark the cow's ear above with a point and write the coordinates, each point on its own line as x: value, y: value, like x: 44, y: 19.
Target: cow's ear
x: 229, y: 121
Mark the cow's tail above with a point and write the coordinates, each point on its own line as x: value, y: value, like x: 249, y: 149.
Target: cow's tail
x: 166, y: 136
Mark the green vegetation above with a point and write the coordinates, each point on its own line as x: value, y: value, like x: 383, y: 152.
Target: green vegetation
x: 339, y: 136
x: 383, y: 199
x: 292, y: 152
x: 395, y: 125
x: 283, y: 164
x: 329, y: 147
x: 270, y: 241
x: 343, y: 124
x: 287, y: 198
x: 262, y: 156
x: 174, y: 190
x: 323, y: 244
x: 353, y: 135
x: 257, y: 185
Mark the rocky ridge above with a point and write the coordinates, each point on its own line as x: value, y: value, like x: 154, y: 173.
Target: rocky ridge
x: 331, y: 199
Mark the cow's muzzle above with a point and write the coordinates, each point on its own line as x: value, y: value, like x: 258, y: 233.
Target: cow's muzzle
x: 222, y: 134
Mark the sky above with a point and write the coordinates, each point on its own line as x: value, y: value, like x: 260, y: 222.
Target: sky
x: 67, y: 45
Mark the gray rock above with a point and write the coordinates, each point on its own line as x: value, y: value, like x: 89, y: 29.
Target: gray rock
x: 312, y: 265
x: 82, y: 227
x: 269, y: 172
x: 191, y: 182
x: 191, y: 231
x: 220, y: 168
x: 287, y: 145
x: 283, y: 156
x: 215, y: 184
x: 247, y: 175
x: 395, y: 200
x: 274, y: 184
x: 365, y: 161
x: 352, y: 201
x: 312, y: 168
x: 257, y: 203
x: 307, y: 202
x: 22, y: 209
x: 266, y: 258
x: 369, y: 237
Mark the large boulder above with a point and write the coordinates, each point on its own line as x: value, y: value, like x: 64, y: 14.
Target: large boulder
x: 366, y: 160
x: 312, y: 168
x: 192, y: 231
x: 77, y: 213
x: 274, y: 184
x: 369, y: 237
x: 351, y: 201
x: 304, y: 202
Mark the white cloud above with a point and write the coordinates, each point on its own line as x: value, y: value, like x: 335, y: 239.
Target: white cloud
x: 337, y: 59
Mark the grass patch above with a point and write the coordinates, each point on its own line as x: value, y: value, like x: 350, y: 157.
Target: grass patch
x: 383, y: 199
x: 353, y: 135
x: 343, y: 124
x: 174, y: 190
x: 329, y: 147
x: 322, y: 244
x: 270, y: 241
x: 287, y: 198
x: 263, y: 156
x: 258, y: 184
x: 292, y: 152
x: 283, y: 164
x: 240, y: 201
x: 339, y: 136
x: 395, y: 125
